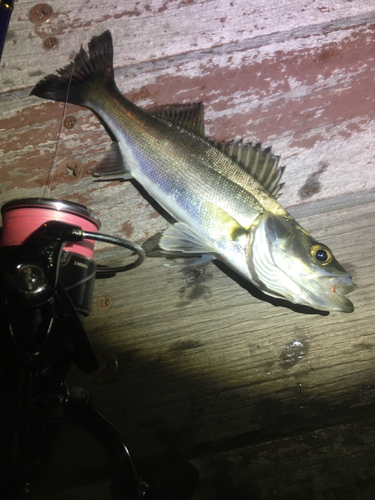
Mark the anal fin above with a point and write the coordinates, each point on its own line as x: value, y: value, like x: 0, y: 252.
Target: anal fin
x: 191, y: 262
x: 112, y: 166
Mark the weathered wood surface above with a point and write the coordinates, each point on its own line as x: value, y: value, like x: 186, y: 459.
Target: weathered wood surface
x: 207, y: 367
x: 151, y: 30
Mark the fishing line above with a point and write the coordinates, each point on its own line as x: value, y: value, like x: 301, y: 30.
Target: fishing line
x: 52, y: 170
x: 113, y: 240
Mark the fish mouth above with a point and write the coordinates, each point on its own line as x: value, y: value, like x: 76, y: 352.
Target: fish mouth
x: 333, y: 291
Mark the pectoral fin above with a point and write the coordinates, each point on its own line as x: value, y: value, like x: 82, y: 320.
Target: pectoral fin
x: 219, y: 224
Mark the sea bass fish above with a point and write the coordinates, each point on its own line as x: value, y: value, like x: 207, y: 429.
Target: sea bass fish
x: 224, y: 200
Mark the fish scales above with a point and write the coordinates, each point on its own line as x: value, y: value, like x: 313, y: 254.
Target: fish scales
x: 177, y: 161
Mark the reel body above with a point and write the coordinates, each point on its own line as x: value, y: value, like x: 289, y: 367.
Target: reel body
x: 47, y: 277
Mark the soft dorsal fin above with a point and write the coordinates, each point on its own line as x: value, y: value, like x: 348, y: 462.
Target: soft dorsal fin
x: 259, y: 162
x: 188, y: 116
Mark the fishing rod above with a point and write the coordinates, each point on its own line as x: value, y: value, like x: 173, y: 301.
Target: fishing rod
x: 6, y: 9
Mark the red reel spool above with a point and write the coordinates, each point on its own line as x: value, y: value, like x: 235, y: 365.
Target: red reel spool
x: 22, y: 217
x: 77, y: 267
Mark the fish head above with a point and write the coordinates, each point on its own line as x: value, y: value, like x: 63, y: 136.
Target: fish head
x: 285, y: 261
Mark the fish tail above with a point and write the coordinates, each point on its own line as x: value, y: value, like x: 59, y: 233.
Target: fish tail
x: 70, y: 83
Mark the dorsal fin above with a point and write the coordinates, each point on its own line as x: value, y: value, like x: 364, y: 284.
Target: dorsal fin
x: 188, y: 116
x: 259, y: 162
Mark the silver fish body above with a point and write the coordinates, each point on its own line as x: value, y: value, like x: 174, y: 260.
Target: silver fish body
x: 224, y: 210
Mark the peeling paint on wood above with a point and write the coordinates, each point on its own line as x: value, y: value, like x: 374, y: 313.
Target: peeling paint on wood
x: 150, y: 30
x: 299, y: 76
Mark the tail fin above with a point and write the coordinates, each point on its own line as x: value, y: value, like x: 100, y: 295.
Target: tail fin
x: 69, y: 84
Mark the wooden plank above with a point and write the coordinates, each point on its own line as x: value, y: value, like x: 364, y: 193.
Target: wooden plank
x: 233, y: 382
x: 313, y: 100
x: 332, y: 461
x: 329, y: 463
x: 145, y: 30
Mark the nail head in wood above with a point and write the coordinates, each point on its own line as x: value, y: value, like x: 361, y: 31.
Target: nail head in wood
x: 50, y: 43
x: 40, y: 13
x: 70, y: 122
x: 103, y: 303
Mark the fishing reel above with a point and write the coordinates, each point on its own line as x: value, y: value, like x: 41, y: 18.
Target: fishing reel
x: 45, y: 241
x: 47, y: 277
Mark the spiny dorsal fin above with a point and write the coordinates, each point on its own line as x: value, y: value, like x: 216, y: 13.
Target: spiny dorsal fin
x: 259, y: 162
x: 188, y: 116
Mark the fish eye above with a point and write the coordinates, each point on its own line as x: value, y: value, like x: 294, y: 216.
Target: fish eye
x: 321, y: 254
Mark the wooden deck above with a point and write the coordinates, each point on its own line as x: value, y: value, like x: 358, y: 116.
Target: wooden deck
x: 267, y: 401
